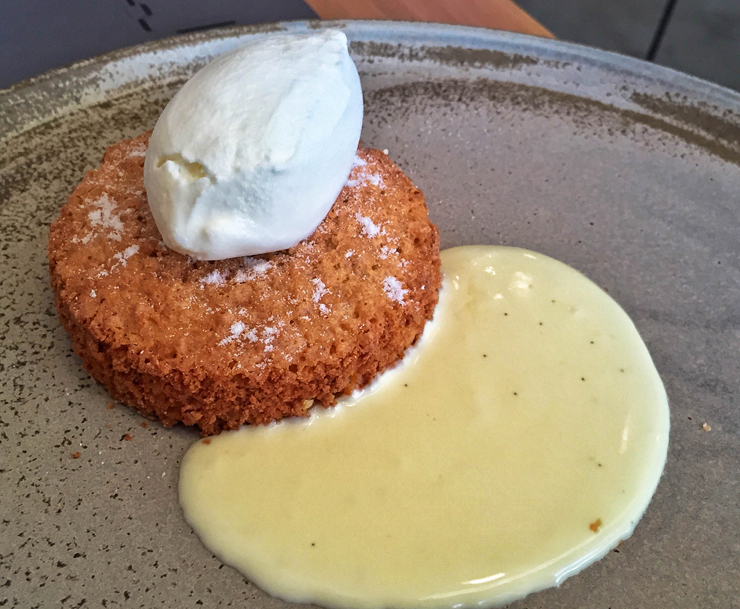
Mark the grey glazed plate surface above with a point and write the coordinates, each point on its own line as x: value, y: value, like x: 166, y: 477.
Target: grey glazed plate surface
x: 626, y: 171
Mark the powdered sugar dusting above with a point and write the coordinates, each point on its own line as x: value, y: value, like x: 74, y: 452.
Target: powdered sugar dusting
x: 349, y: 253
x: 123, y: 256
x: 239, y: 331
x: 237, y: 328
x: 362, y: 176
x: 268, y: 335
x: 369, y: 228
x: 136, y: 151
x: 105, y: 217
x: 319, y: 291
x: 255, y: 268
x: 213, y: 278
x: 394, y: 290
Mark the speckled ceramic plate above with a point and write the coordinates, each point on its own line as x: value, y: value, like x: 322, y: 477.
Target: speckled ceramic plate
x: 627, y: 171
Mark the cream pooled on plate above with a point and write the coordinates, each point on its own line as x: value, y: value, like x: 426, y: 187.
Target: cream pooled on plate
x: 252, y: 152
x: 518, y: 441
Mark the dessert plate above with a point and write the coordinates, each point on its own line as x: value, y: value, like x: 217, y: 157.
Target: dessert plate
x: 625, y: 170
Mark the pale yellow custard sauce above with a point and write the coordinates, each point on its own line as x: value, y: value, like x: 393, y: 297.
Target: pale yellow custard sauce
x: 519, y: 441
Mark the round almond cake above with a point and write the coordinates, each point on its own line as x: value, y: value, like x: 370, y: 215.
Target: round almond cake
x: 247, y: 340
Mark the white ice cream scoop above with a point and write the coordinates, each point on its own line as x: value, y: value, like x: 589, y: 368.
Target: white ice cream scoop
x: 251, y: 153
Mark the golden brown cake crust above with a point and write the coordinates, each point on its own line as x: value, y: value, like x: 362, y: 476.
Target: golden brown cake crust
x: 222, y: 343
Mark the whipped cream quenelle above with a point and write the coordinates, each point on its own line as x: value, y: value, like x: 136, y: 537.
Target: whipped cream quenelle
x: 251, y: 153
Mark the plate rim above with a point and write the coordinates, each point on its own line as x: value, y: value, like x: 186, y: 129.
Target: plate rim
x: 632, y: 65
x: 14, y: 101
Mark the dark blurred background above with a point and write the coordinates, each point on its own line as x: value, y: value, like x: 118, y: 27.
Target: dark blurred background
x: 701, y: 37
